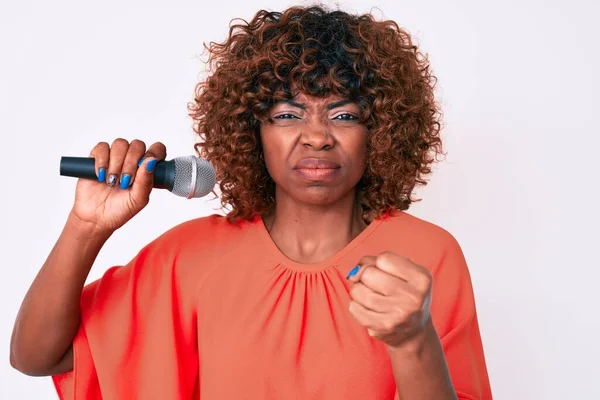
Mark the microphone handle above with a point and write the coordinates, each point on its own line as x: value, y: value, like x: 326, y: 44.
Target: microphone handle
x: 85, y: 167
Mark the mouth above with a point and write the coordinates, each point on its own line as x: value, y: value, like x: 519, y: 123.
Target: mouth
x: 314, y: 169
x: 316, y: 163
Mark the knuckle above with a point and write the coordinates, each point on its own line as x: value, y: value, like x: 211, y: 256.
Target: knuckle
x: 427, y: 274
x: 352, y: 307
x: 400, y: 314
x: 385, y: 257
x: 156, y: 150
x: 354, y: 291
x: 129, y: 166
x: 367, y: 273
x: 137, y: 144
x: 427, y: 279
x: 120, y: 142
x: 387, y: 326
x: 100, y: 150
x: 372, y: 300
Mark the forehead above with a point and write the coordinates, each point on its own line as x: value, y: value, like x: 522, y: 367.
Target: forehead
x: 313, y: 101
x: 306, y: 98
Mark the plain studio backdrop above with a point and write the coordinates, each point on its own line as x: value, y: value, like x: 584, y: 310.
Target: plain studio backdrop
x: 518, y: 84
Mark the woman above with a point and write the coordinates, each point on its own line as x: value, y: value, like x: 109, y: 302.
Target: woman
x: 317, y: 284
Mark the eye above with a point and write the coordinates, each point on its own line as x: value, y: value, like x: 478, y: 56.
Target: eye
x: 347, y: 117
x: 285, y: 116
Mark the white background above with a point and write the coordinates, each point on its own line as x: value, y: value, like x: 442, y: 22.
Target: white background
x: 518, y: 82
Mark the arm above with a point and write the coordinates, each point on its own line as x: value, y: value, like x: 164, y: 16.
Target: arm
x: 49, y: 316
x: 392, y: 298
x: 420, y: 368
x: 137, y: 334
x: 454, y: 342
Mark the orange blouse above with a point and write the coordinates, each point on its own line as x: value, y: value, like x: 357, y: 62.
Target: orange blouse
x: 214, y: 311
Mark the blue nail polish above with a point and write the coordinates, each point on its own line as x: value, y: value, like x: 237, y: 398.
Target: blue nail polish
x: 150, y: 166
x: 101, y: 175
x: 353, y: 272
x: 141, y: 161
x: 125, y: 179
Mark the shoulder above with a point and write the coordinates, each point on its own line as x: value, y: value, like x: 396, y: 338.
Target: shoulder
x: 184, y: 253
x: 424, y: 242
x: 203, y: 241
x: 407, y: 226
x: 204, y: 232
x: 202, y: 226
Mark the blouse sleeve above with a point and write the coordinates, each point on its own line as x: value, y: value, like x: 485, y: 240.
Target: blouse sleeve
x: 455, y: 319
x: 137, y: 336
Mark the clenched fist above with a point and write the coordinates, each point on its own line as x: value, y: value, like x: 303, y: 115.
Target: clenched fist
x: 391, y: 297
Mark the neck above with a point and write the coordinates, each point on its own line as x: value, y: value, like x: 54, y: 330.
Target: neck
x: 309, y: 233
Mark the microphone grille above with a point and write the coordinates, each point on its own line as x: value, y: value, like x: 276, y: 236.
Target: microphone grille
x: 184, y: 172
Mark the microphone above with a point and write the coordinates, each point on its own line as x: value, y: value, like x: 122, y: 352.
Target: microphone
x: 187, y: 176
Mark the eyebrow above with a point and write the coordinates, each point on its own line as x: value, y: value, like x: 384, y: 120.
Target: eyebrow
x: 330, y: 106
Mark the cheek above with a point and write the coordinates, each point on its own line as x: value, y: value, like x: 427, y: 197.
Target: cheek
x: 358, y: 152
x: 268, y: 156
x: 273, y: 154
x: 266, y: 142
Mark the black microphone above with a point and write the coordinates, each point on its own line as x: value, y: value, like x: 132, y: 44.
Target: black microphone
x: 188, y: 176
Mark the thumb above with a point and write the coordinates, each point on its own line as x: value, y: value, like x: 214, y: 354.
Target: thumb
x: 144, y: 179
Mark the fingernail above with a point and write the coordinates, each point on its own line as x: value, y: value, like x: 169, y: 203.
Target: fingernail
x: 101, y: 175
x: 125, y: 179
x: 141, y: 161
x: 112, y: 179
x: 353, y: 272
x: 151, y: 165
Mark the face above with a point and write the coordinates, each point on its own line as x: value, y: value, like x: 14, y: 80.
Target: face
x: 314, y: 148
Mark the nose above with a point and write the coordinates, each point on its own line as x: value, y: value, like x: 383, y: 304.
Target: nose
x: 317, y: 135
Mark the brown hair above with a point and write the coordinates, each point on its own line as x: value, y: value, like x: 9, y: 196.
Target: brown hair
x: 317, y: 52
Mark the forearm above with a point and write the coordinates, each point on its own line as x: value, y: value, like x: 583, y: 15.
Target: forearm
x: 49, y: 316
x: 420, y: 368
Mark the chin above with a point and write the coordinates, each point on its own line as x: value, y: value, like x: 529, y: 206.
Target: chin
x: 319, y: 195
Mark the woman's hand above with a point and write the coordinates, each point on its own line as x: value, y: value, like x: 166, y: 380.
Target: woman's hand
x: 50, y: 315
x: 391, y: 296
x: 122, y: 190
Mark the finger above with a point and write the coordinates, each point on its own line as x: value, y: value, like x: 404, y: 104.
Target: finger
x: 382, y: 282
x: 370, y: 299
x: 354, y: 274
x: 376, y: 279
x: 142, y: 188
x: 156, y: 150
x: 130, y: 165
x: 403, y: 268
x: 144, y: 180
x: 369, y: 319
x: 100, y: 153
x: 118, y: 150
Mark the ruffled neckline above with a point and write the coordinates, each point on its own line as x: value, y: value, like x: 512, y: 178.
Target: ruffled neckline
x: 330, y: 261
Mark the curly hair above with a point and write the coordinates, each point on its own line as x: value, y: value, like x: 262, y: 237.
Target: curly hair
x: 317, y: 52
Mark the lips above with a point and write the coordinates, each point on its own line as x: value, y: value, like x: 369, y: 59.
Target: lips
x: 316, y: 163
x: 317, y: 170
